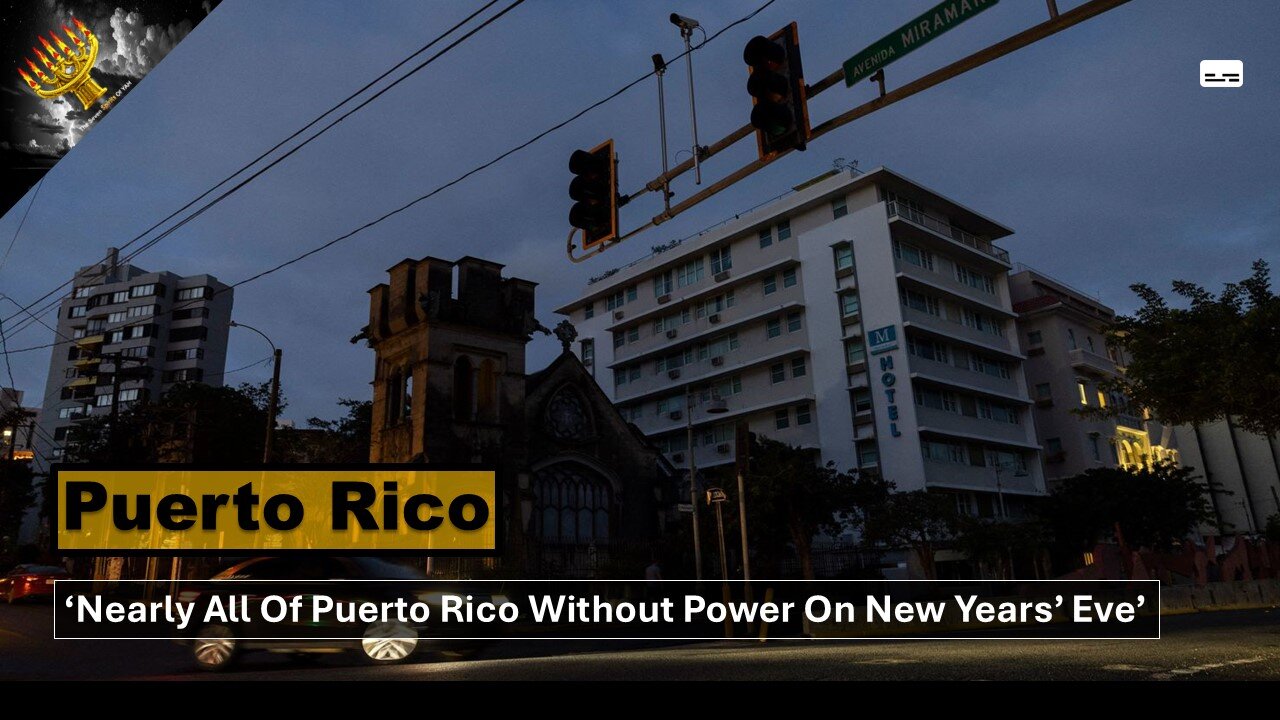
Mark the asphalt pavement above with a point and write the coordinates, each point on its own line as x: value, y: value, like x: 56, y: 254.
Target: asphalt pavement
x: 1238, y: 645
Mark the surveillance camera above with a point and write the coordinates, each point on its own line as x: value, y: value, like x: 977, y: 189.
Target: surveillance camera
x: 682, y: 22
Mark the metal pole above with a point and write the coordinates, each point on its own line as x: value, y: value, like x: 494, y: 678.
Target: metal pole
x: 660, y: 69
x: 693, y: 484
x: 1000, y: 493
x: 724, y: 563
x: 272, y: 404
x: 687, y: 34
x: 113, y: 434
x: 742, y: 524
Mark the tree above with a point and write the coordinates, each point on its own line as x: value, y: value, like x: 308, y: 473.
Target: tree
x: 996, y: 542
x: 1218, y: 357
x: 917, y: 519
x: 342, y: 441
x: 1151, y: 507
x: 192, y: 422
x: 792, y: 497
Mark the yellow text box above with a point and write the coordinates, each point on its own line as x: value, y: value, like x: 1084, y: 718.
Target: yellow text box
x: 196, y: 511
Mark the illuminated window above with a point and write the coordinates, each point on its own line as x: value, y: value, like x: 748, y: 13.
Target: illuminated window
x: 1102, y: 399
x: 1084, y: 392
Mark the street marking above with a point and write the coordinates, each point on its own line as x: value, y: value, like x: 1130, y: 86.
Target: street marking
x: 1187, y: 671
x: 1131, y: 668
x: 886, y: 661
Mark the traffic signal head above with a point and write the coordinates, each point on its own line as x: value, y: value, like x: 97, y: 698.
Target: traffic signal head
x: 780, y: 113
x: 594, y: 190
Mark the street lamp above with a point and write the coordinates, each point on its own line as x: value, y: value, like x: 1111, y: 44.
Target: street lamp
x: 1017, y: 472
x: 715, y: 406
x: 274, y: 400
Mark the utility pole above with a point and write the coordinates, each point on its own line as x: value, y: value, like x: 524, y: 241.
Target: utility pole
x: 272, y: 404
x: 693, y: 483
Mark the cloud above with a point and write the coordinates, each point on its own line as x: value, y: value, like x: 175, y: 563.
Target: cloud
x: 137, y: 46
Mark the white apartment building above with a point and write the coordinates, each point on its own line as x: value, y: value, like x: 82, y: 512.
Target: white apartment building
x: 864, y: 315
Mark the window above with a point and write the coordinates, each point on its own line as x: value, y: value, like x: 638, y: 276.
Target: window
x: 1035, y: 338
x: 913, y: 255
x: 1071, y: 338
x: 188, y: 333
x: 849, y: 305
x: 777, y: 373
x: 588, y: 352
x: 1102, y: 399
x: 1053, y: 446
x: 142, y: 311
x: 189, y: 313
x: 1093, y: 447
x: 784, y: 230
x: 770, y: 284
x: 798, y: 368
x: 718, y: 346
x: 184, y: 375
x: 772, y: 328
x: 927, y: 349
x: 82, y: 292
x: 781, y: 419
x: 119, y: 296
x: 868, y: 454
x: 789, y: 277
x: 1043, y: 391
x: 129, y: 395
x: 937, y: 399
x: 716, y: 304
x: 133, y: 332
x: 988, y: 366
x: 589, y: 310
x: 721, y: 260
x: 943, y: 452
x: 839, y: 208
x: 975, y: 279
x: 619, y: 338
x: 1089, y: 340
x: 102, y: 400
x: 920, y: 301
x: 983, y: 323
x: 1084, y: 392
x: 148, y: 290
x: 77, y: 311
x: 632, y: 292
x: 117, y: 316
x: 844, y: 257
x: 195, y: 293
x: 861, y: 400
x: 854, y: 352
x: 793, y: 322
x: 115, y: 336
x: 188, y: 354
x: 766, y: 237
x: 138, y: 351
x: 614, y: 301
x: 71, y: 412
x: 662, y: 284
x: 802, y: 414
x: 689, y: 273
x: 633, y: 334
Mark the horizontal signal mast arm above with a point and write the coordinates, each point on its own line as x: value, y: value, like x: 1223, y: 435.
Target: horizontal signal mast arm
x: 1031, y: 35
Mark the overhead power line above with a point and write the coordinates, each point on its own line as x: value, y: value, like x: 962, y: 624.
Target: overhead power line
x: 299, y: 132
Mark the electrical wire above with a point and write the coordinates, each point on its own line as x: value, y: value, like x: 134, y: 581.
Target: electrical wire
x: 21, y: 222
x: 308, y: 126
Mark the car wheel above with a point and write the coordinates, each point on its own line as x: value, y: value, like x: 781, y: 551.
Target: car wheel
x: 388, y: 643
x: 214, y: 648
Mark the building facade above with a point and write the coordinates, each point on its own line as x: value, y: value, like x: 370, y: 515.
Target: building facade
x: 125, y: 334
x: 585, y: 493
x: 863, y: 314
x: 18, y: 430
x: 1063, y: 331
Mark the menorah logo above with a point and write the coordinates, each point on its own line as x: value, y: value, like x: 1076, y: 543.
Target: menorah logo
x: 68, y: 69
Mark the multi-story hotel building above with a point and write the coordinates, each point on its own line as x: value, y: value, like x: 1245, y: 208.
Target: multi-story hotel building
x: 863, y: 315
x: 1063, y: 331
x: 121, y: 315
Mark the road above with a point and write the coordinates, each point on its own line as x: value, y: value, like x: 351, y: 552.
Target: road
x: 1243, y: 645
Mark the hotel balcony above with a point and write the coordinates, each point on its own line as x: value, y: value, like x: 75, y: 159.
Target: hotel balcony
x: 1091, y: 362
x: 957, y: 476
x: 955, y: 425
x: 928, y: 228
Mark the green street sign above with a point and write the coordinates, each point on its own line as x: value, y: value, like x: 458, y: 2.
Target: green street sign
x: 941, y: 18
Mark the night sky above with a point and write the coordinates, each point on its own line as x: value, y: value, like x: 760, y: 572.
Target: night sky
x: 1098, y: 146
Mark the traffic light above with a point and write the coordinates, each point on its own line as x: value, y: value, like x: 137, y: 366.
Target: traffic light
x: 595, y: 194
x: 779, y: 112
